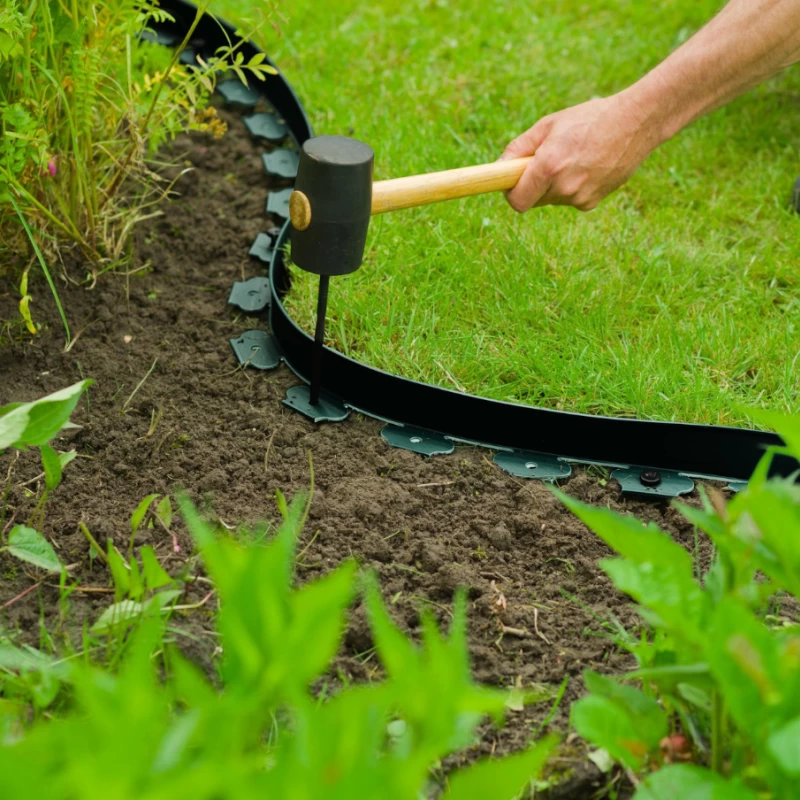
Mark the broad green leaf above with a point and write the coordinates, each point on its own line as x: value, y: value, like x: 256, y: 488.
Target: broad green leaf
x: 642, y: 544
x: 609, y: 725
x: 34, y: 424
x: 697, y: 697
x: 647, y: 711
x: 656, y: 571
x: 126, y: 611
x: 688, y: 782
x: 29, y: 545
x: 769, y: 524
x: 674, y: 674
x: 784, y: 745
x: 501, y: 778
x: 619, y: 718
x: 52, y: 467
x: 154, y: 574
x: 12, y: 426
x: 672, y: 593
x: 318, y: 622
x: 141, y: 510
x: 744, y: 657
x: 10, y: 407
x: 23, y: 658
x: 116, y: 615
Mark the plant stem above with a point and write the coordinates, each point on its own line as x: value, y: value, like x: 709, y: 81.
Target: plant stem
x: 93, y: 542
x: 42, y: 264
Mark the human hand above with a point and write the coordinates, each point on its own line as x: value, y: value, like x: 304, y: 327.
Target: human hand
x: 582, y: 153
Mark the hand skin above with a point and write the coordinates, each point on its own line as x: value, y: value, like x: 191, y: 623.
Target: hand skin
x: 584, y: 153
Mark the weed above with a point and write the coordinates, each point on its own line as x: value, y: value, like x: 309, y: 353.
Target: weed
x: 479, y: 554
x: 34, y: 424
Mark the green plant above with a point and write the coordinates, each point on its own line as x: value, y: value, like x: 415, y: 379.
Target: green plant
x: 24, y: 425
x: 262, y: 733
x: 140, y: 589
x: 148, y: 515
x: 85, y: 101
x: 717, y: 667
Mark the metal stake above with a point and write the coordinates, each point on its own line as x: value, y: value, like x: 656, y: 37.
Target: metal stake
x: 319, y: 339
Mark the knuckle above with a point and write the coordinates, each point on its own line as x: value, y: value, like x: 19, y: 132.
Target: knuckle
x: 551, y: 166
x: 571, y: 187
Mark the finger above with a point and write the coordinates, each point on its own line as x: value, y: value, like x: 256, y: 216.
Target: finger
x: 531, y: 187
x: 529, y: 142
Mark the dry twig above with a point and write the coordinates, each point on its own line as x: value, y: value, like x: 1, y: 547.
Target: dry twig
x: 536, y: 626
x: 20, y: 596
x: 519, y: 632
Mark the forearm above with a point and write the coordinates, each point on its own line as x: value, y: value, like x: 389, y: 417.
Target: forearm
x: 585, y: 152
x: 746, y: 43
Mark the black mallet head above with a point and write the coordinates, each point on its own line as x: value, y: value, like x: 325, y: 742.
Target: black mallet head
x: 330, y: 210
x: 331, y: 205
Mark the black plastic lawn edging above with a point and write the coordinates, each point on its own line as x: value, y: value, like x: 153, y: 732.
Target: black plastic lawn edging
x: 652, y: 457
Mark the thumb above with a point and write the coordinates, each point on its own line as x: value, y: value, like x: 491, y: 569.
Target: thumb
x: 528, y: 143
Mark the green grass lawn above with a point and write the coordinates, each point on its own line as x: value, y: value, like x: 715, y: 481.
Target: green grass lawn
x: 678, y: 299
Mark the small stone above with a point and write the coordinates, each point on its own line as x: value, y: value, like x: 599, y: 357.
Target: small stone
x: 500, y: 537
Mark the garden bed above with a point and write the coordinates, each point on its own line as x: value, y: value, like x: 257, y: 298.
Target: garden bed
x: 169, y: 408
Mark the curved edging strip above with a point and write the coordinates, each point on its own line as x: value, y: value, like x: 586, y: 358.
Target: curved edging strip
x: 698, y: 450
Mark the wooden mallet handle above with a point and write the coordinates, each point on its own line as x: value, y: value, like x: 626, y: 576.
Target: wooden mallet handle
x: 422, y: 190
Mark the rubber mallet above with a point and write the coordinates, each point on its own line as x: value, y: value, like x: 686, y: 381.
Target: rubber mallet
x: 334, y: 198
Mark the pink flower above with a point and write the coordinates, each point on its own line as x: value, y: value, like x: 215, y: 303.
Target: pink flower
x: 51, y: 167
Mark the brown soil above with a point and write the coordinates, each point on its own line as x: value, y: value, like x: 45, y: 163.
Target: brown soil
x: 426, y: 526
